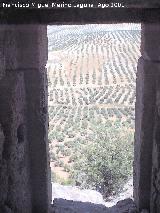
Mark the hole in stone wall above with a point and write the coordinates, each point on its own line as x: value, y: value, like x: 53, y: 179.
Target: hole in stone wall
x: 91, y: 88
x: 20, y: 133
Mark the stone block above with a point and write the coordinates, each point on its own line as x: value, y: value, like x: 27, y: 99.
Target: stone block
x: 24, y: 47
x: 155, y: 184
x: 150, y: 42
x: 144, y: 125
x: 37, y: 120
x: 14, y: 164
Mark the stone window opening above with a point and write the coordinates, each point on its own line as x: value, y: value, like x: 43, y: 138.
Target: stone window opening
x: 25, y: 184
x: 56, y: 92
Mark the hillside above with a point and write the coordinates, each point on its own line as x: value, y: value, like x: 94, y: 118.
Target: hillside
x: 91, y: 77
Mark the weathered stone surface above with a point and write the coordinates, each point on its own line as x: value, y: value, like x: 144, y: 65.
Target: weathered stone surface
x: 155, y: 187
x: 144, y: 211
x: 1, y: 141
x: 150, y: 45
x: 5, y: 209
x: 2, y: 58
x: 14, y: 167
x: 147, y: 137
x: 3, y: 169
x: 124, y: 206
x: 65, y: 206
x: 37, y: 119
x: 3, y: 181
x: 24, y: 165
x: 134, y: 11
x: 18, y: 50
x: 8, y: 47
x: 144, y: 122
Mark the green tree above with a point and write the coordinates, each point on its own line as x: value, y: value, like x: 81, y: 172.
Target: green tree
x: 105, y: 163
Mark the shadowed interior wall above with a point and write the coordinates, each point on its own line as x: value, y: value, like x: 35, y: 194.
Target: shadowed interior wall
x: 146, y: 155
x: 24, y: 167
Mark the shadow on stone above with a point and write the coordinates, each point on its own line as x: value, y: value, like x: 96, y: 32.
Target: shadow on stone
x: 66, y: 206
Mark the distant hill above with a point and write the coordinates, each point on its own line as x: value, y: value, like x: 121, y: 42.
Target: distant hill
x: 91, y: 75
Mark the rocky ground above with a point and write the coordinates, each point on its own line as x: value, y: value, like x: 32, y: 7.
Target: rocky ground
x: 70, y: 199
x: 65, y: 206
x: 76, y: 194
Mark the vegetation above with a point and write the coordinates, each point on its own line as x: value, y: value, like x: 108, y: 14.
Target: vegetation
x: 57, y: 179
x: 107, y: 163
x: 91, y: 105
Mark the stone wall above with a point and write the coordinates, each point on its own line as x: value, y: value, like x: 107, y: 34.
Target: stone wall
x: 153, y: 47
x: 24, y: 166
x: 147, y: 128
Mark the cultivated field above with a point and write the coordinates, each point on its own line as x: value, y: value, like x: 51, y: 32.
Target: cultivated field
x: 91, y: 76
